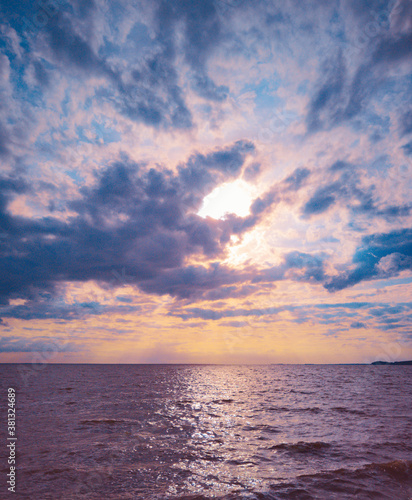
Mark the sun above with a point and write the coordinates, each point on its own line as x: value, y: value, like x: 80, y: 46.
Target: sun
x: 229, y: 198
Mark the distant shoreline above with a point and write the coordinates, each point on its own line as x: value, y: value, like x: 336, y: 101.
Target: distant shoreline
x: 392, y: 363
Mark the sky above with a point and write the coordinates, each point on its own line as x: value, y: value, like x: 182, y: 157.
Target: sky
x: 209, y: 181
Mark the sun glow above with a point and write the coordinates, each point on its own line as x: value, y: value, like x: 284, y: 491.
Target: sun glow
x: 229, y: 198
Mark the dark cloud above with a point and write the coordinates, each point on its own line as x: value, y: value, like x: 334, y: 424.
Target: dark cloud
x: 405, y: 123
x: 296, y: 180
x: 41, y: 75
x: 9, y: 187
x: 298, y: 266
x: 265, y: 201
x: 48, y: 305
x: 345, y: 188
x: 393, y: 50
x: 206, y: 88
x: 143, y: 100
x: 280, y: 191
x: 322, y: 199
x: 4, y: 141
x: 134, y: 217
x: 70, y: 49
x: 395, y: 211
x: 363, y: 10
x: 340, y: 165
x: 345, y: 305
x: 149, y: 90
x: 383, y: 45
x: 357, y: 324
x: 348, y: 191
x: 311, y: 265
x: 407, y: 148
x: 381, y: 256
x: 203, y: 33
x: 327, y: 98
x: 193, y: 281
x: 202, y: 170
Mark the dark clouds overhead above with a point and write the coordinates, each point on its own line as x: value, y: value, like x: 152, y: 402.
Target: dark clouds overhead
x: 134, y: 217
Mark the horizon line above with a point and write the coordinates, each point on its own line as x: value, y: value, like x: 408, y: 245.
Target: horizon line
x: 217, y: 364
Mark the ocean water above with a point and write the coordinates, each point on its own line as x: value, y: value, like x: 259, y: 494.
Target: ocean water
x: 199, y: 432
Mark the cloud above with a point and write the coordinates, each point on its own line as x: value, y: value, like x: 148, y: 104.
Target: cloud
x: 327, y: 98
x: 115, y: 124
x: 379, y: 44
x: 122, y: 298
x: 355, y: 315
x: 133, y: 217
x: 381, y: 255
x: 297, y: 266
x: 357, y: 324
x: 206, y: 88
x: 42, y: 306
x: 235, y: 324
x: 407, y: 148
x: 143, y: 220
x: 322, y: 199
x: 392, y: 50
x: 341, y: 190
x: 148, y: 90
x: 252, y: 171
x: 348, y: 190
x: 48, y: 346
x: 298, y: 177
x: 193, y: 281
x: 211, y: 314
x: 405, y: 125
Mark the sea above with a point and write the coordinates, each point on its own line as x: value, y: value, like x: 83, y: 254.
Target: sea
x: 199, y: 432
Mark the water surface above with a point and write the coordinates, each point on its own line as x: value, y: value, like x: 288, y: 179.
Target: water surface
x: 206, y: 431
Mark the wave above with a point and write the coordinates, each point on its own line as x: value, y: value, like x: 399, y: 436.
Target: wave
x: 302, y: 446
x: 244, y: 463
x: 100, y: 421
x: 392, y: 445
x: 294, y: 391
x: 313, y: 409
x: 109, y: 421
x: 398, y: 469
x: 261, y: 427
x: 385, y: 481
x: 343, y: 409
x: 279, y: 408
